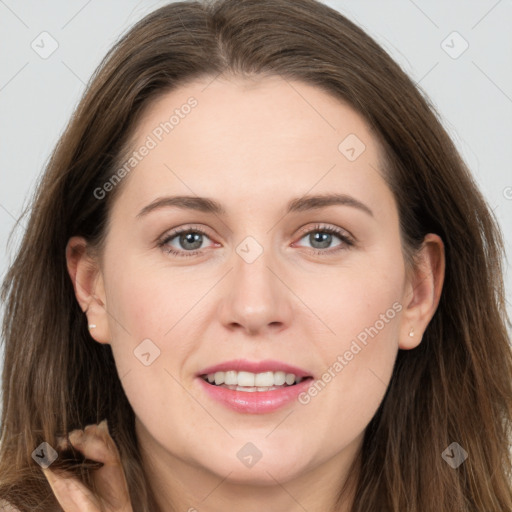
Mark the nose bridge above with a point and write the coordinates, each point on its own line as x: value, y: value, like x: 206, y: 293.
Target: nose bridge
x: 256, y: 299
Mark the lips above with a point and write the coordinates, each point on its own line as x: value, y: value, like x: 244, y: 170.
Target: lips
x: 253, y: 400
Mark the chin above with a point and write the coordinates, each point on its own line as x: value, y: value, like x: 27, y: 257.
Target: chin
x: 263, y: 472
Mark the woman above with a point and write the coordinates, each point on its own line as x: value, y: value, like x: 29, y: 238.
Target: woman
x: 334, y: 338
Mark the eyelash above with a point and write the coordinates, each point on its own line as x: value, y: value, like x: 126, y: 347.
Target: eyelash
x: 347, y: 241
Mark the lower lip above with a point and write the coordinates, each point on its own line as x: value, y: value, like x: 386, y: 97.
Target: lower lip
x: 257, y: 402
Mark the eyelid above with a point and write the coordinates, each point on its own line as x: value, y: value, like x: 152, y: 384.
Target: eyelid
x: 183, y: 229
x: 305, y: 230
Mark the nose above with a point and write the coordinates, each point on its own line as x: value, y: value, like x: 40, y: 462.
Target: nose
x: 255, y: 298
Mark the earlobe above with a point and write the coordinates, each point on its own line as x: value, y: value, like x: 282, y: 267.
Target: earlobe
x: 423, y: 292
x: 88, y: 285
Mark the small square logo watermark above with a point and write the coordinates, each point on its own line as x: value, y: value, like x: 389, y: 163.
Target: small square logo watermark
x: 44, y: 45
x: 146, y: 352
x: 44, y: 455
x: 351, y: 147
x: 454, y: 45
x: 249, y: 249
x: 455, y: 455
x: 249, y: 455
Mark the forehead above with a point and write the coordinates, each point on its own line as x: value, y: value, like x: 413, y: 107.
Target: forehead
x: 251, y: 138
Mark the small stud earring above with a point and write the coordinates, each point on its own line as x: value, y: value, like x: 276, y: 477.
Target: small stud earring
x: 411, y: 332
x: 92, y: 326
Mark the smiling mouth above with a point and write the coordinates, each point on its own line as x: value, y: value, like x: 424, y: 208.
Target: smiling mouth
x: 253, y: 382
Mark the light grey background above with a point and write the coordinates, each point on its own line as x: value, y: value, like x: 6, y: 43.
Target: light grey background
x: 472, y: 92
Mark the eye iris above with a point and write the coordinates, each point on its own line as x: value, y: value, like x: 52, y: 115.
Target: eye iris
x: 321, y: 237
x: 192, y: 238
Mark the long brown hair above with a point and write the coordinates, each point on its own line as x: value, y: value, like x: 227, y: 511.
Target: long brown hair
x: 456, y: 386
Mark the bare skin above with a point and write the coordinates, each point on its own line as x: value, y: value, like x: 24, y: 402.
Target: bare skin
x: 253, y: 146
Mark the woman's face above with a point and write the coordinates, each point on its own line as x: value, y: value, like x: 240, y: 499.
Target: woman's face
x: 258, y: 278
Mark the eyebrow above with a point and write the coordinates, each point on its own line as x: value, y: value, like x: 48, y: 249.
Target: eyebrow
x: 301, y: 204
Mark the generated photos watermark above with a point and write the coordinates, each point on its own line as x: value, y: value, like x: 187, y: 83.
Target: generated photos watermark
x: 342, y: 360
x: 152, y: 140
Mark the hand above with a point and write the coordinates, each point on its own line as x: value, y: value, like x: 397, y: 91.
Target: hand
x: 95, y: 443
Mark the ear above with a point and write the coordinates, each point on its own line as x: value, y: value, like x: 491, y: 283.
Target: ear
x: 422, y: 291
x: 88, y: 285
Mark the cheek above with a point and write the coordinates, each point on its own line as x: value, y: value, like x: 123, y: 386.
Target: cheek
x: 362, y: 306
x: 146, y: 312
x: 358, y: 301
x: 148, y: 300
x: 138, y: 315
x: 152, y: 314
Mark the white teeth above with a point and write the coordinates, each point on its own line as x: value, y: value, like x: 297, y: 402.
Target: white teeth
x: 279, y: 378
x: 265, y: 379
x: 230, y: 378
x: 245, y: 379
x: 252, y: 381
x: 248, y: 389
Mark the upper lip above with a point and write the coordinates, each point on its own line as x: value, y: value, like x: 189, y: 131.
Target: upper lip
x: 268, y: 365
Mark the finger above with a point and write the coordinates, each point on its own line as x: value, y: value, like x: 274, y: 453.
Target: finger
x: 95, y: 443
x: 71, y: 494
